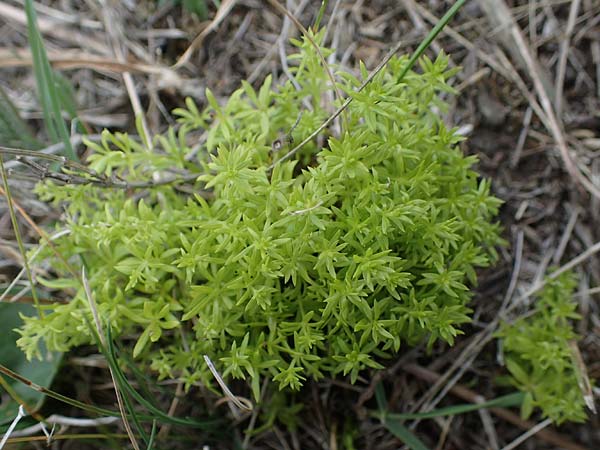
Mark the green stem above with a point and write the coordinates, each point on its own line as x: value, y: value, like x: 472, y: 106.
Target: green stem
x: 15, y: 224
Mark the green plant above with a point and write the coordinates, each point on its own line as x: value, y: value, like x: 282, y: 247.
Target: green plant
x: 539, y: 357
x: 14, y: 131
x: 42, y: 372
x: 55, y: 93
x: 287, y: 270
x: 198, y: 7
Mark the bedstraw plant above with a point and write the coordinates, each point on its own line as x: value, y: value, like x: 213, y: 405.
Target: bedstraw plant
x: 320, y: 265
x: 539, y: 354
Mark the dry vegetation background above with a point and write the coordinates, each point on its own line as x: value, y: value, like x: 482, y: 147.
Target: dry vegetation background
x: 529, y: 98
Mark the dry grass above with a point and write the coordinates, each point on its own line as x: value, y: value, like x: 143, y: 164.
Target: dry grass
x: 529, y: 102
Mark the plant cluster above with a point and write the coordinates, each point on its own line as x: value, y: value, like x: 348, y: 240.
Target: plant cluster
x: 540, y: 358
x: 284, y: 269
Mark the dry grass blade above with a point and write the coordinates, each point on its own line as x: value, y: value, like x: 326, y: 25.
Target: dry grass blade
x: 222, y: 12
x: 529, y: 433
x: 243, y: 403
x: 563, y: 55
x: 464, y: 393
x: 502, y: 20
x: 56, y: 419
x: 47, y: 26
x: 102, y: 338
x: 582, y: 377
x: 12, y: 426
x: 16, y: 279
x: 555, y: 274
x: 445, y: 382
x: 553, y: 123
x: 417, y: 53
x: 544, y: 111
x: 115, y: 31
x: 69, y: 59
x: 307, y: 35
x: 13, y: 217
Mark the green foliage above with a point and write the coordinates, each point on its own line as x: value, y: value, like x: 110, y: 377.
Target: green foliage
x: 321, y: 266
x: 41, y: 371
x: 197, y: 7
x: 54, y: 92
x: 14, y: 131
x: 539, y: 358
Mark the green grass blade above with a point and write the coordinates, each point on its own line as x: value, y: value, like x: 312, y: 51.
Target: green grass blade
x: 55, y: 395
x: 150, y: 445
x: 506, y: 401
x: 404, y: 434
x: 126, y: 387
x: 395, y: 426
x: 14, y: 131
x: 135, y: 418
x: 320, y: 14
x: 380, y: 398
x: 393, y: 422
x: 47, y: 85
x: 141, y: 378
x: 431, y: 36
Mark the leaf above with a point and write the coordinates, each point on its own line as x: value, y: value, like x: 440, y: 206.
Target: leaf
x: 41, y: 372
x: 527, y: 406
x: 394, y: 425
x: 197, y: 7
x: 14, y: 131
x: 404, y: 434
x: 141, y: 342
x: 506, y: 401
x: 48, y: 86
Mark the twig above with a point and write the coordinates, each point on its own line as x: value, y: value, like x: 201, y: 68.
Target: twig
x: 16, y: 15
x: 222, y: 12
x: 516, y: 156
x: 243, y: 403
x: 562, y: 57
x: 56, y: 419
x: 544, y: 112
x: 91, y: 176
x: 553, y: 120
x: 531, y: 432
x: 20, y: 414
x: 308, y: 36
x: 33, y: 256
x: 75, y: 139
x: 115, y: 32
x: 566, y: 236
